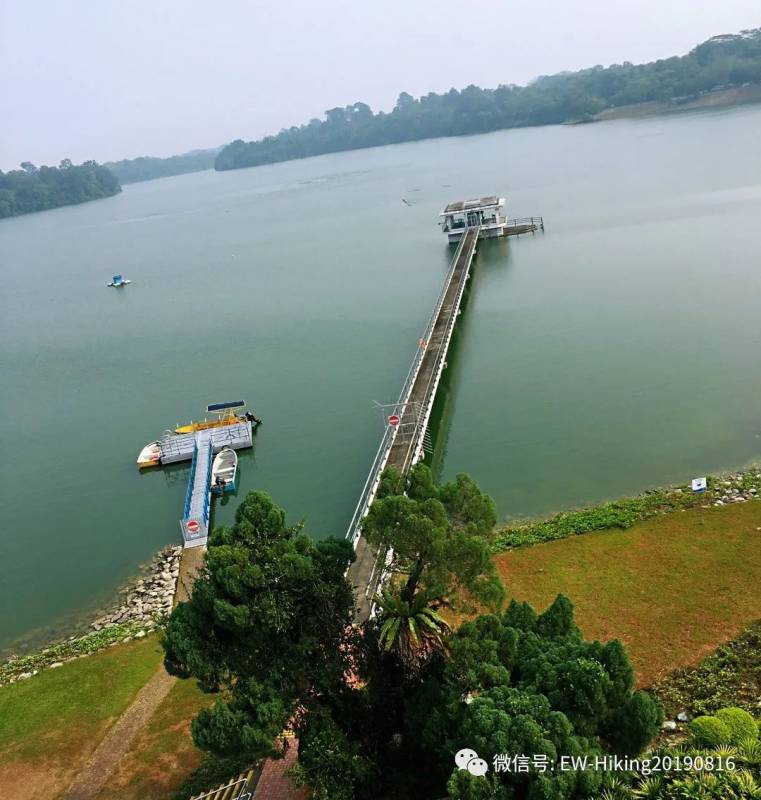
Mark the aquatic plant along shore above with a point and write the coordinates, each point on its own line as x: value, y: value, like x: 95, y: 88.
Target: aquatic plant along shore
x: 141, y: 607
x: 18, y: 668
x: 737, y: 487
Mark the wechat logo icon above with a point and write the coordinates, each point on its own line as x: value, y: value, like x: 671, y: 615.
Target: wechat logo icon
x: 468, y: 759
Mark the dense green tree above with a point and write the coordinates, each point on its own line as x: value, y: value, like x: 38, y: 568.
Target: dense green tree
x: 523, y: 684
x: 394, y: 735
x: 329, y: 763
x: 267, y: 627
x: 32, y: 189
x: 439, y: 537
x: 439, y: 541
x: 722, y: 61
x: 146, y: 168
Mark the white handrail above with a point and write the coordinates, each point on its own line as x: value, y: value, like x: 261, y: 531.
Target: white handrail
x: 387, y: 442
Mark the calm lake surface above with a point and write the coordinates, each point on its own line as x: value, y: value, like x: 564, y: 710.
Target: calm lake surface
x: 621, y: 349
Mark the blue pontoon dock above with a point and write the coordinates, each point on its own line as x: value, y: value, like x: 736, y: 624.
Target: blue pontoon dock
x: 200, y: 447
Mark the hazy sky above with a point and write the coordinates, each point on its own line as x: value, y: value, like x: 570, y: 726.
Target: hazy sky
x: 109, y: 79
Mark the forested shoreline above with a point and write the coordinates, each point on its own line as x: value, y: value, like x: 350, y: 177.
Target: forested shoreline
x: 30, y: 188
x: 146, y: 168
x: 722, y: 62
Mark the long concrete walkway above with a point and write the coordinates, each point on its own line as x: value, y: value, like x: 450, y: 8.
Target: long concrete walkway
x: 402, y: 445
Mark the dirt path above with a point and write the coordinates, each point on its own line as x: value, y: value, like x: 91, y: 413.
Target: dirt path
x: 117, y: 742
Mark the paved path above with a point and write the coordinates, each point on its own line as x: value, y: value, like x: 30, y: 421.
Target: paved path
x: 274, y: 784
x: 117, y: 742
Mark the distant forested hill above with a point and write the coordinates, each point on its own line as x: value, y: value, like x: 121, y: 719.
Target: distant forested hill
x: 719, y: 63
x: 146, y: 168
x: 31, y: 189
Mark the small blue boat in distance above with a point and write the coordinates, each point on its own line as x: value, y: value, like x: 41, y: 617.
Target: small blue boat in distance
x: 118, y: 281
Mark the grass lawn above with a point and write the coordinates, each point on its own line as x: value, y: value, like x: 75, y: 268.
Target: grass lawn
x: 671, y: 588
x: 51, y: 723
x: 163, y: 754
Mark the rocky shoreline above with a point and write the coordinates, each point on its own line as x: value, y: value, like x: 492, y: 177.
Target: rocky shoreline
x: 142, y: 606
x: 737, y: 488
x: 148, y: 599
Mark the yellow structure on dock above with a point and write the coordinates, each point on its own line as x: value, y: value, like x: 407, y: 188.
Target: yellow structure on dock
x: 199, y: 442
x: 225, y: 416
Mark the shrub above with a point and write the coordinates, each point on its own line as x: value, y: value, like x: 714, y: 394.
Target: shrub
x: 710, y: 731
x: 636, y: 721
x: 740, y: 723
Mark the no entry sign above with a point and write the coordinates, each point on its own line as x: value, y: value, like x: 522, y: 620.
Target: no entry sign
x: 394, y: 420
x: 699, y: 484
x: 192, y: 526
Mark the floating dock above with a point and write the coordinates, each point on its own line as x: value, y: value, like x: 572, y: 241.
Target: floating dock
x: 201, y: 447
x: 181, y: 446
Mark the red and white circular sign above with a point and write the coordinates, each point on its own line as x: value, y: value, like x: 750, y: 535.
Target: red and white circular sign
x: 394, y: 420
x: 192, y: 526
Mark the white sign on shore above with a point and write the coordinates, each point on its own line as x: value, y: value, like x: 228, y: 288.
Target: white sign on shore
x: 699, y: 484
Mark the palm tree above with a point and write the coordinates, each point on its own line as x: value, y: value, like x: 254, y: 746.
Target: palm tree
x: 749, y: 752
x: 411, y: 629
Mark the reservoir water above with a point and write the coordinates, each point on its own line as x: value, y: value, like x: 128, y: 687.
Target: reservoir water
x: 620, y: 349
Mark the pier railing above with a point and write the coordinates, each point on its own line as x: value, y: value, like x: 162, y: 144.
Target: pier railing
x: 421, y: 420
x: 525, y: 224
x: 191, y: 483
x: 207, y: 493
x: 387, y: 442
x: 203, y: 450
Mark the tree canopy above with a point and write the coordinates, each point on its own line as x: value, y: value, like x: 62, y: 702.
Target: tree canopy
x: 439, y: 536
x: 721, y: 62
x: 268, y: 629
x: 516, y: 683
x: 146, y: 168
x: 31, y: 189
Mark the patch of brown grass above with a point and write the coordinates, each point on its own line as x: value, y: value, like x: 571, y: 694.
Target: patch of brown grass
x: 50, y: 724
x: 671, y: 588
x: 163, y: 754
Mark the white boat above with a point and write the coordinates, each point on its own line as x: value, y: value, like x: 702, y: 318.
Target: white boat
x: 118, y: 281
x: 224, y: 471
x: 150, y: 456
